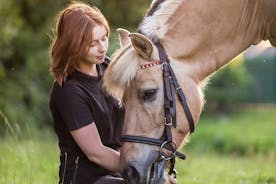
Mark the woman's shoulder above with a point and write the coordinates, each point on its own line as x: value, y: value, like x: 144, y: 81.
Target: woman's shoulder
x: 67, y: 85
x: 68, y: 92
x: 68, y: 88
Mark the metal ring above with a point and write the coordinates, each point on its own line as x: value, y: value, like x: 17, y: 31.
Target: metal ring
x: 173, y: 145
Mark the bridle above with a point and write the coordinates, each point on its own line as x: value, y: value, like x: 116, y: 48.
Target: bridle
x: 171, y: 86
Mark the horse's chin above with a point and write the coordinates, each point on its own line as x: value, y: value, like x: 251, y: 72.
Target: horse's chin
x: 154, y: 175
x: 157, y: 173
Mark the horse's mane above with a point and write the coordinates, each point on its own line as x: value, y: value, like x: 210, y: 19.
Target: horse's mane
x: 154, y: 24
x: 124, y: 65
x: 249, y: 16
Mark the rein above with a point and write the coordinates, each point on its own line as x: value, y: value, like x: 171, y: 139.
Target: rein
x: 171, y: 86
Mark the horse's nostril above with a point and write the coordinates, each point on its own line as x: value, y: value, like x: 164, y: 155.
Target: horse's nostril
x: 131, y: 175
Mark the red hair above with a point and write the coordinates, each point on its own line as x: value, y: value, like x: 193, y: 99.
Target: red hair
x: 73, y: 35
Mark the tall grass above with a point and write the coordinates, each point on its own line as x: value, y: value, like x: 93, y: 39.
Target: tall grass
x: 29, y: 156
x: 240, y: 148
x: 28, y: 161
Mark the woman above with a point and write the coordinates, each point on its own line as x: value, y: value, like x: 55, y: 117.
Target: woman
x: 88, y: 122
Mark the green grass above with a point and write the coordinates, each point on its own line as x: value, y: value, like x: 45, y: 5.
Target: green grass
x: 207, y: 168
x: 246, y: 132
x: 236, y: 149
x: 240, y: 148
x: 33, y: 161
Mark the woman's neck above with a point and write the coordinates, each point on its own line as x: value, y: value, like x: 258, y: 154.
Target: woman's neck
x: 90, y: 69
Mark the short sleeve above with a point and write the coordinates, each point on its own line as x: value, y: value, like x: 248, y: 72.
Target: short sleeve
x: 72, y: 104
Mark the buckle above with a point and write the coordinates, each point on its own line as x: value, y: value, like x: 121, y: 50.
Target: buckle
x: 169, y: 123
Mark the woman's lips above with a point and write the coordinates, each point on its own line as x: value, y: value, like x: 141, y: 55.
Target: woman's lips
x: 100, y: 57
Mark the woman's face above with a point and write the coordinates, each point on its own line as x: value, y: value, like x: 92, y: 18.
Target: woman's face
x: 98, y: 47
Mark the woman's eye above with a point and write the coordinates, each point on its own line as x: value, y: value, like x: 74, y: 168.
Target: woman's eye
x: 148, y: 95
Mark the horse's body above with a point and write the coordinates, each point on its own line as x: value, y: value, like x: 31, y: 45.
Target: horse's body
x: 199, y: 36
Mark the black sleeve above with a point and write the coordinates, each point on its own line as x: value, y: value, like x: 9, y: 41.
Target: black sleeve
x: 72, y: 105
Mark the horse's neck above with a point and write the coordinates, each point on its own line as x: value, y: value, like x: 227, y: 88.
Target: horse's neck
x: 208, y: 34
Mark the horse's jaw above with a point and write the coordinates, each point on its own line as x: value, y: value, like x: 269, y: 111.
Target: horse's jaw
x: 150, y: 171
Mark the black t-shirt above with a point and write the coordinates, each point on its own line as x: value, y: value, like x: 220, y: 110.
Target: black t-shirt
x: 79, y: 102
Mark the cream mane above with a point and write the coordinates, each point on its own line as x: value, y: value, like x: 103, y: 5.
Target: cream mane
x: 155, y: 26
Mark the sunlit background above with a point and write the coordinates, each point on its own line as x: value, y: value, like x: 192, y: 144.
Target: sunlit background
x: 234, y: 141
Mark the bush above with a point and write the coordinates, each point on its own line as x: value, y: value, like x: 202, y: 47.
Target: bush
x: 228, y: 87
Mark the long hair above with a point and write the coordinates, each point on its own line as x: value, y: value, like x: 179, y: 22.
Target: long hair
x: 72, y: 37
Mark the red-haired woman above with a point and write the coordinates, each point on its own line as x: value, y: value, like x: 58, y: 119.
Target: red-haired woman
x: 88, y: 122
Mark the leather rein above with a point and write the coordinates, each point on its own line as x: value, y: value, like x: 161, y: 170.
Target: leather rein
x: 171, y: 86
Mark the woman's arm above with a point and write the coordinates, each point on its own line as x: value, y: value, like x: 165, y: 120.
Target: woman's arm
x: 89, y: 141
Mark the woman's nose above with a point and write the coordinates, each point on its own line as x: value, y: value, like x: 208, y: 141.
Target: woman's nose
x: 102, y: 47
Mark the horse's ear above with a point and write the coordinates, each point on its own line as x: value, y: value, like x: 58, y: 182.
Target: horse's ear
x: 123, y: 36
x: 142, y: 45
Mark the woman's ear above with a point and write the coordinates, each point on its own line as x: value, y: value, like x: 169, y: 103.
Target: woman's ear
x: 123, y: 37
x: 142, y: 45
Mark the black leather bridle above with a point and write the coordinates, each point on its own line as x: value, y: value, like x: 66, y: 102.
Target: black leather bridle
x: 171, y: 86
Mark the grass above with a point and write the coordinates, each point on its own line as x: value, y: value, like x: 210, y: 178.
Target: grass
x: 207, y: 168
x: 239, y: 149
x: 246, y: 132
x: 32, y: 161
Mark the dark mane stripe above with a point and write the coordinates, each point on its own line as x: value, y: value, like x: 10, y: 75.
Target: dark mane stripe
x: 154, y: 7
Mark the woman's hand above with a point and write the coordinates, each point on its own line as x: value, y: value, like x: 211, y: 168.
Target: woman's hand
x: 172, y: 179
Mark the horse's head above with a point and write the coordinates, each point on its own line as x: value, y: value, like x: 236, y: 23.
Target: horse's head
x: 135, y: 76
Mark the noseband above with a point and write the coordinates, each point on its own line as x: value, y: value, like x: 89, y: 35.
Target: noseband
x: 171, y: 86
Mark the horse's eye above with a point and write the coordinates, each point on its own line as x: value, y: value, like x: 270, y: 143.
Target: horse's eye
x: 148, y: 95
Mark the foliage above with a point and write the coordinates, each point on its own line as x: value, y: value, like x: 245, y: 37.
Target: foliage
x: 122, y: 12
x: 26, y: 30
x: 228, y: 87
x: 24, y: 62
x: 262, y: 69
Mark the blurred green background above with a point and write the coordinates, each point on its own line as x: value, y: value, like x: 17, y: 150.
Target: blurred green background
x: 238, y: 119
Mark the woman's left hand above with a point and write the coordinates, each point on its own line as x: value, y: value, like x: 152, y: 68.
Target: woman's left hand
x: 172, y: 179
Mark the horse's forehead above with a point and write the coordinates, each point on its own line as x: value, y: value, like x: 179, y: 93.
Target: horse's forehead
x: 149, y: 76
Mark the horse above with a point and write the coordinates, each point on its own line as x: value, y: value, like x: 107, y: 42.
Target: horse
x: 188, y: 41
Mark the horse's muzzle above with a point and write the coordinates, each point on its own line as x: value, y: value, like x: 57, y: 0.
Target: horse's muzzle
x: 149, y: 171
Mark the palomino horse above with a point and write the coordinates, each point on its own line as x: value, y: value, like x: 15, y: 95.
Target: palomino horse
x: 199, y: 37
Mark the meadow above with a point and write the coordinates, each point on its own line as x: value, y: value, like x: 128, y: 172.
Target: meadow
x: 236, y: 149
x: 225, y: 149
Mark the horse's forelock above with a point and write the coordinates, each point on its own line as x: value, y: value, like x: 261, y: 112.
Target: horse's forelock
x: 121, y: 71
